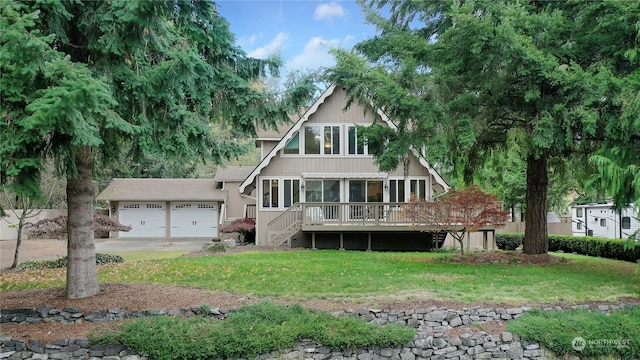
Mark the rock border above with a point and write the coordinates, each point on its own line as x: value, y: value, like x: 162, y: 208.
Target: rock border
x: 432, y: 341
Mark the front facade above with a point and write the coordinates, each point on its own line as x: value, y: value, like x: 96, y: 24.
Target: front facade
x: 602, y: 220
x: 318, y: 170
x: 165, y: 208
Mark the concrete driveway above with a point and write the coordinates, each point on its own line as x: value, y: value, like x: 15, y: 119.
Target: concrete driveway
x: 51, y: 249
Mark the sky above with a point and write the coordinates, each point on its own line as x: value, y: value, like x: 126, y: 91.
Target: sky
x: 300, y: 31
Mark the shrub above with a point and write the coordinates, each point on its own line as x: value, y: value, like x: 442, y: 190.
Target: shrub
x: 509, y: 241
x: 249, y: 332
x: 596, y: 328
x: 241, y: 225
x: 585, y: 245
x: 593, y: 246
x: 62, y: 262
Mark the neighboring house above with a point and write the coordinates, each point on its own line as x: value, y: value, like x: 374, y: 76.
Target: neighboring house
x: 318, y: 187
x: 165, y: 207
x: 602, y: 220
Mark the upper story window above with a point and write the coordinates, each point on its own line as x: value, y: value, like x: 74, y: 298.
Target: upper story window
x: 626, y: 222
x: 332, y: 139
x: 579, y: 212
x: 603, y: 222
x: 356, y: 145
x: 326, y: 140
x: 321, y: 140
x: 293, y: 146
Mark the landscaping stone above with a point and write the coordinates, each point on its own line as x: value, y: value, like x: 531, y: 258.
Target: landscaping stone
x: 432, y: 340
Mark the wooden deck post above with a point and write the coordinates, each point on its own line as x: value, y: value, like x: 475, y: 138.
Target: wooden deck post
x: 341, y: 241
x: 368, y: 241
x: 313, y: 241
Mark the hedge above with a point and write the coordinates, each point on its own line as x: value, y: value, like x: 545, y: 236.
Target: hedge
x: 585, y: 245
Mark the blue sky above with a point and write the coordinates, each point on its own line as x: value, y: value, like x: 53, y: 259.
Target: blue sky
x: 301, y: 31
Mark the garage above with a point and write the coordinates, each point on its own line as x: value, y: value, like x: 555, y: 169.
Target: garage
x: 147, y: 219
x: 174, y: 208
x: 194, y: 219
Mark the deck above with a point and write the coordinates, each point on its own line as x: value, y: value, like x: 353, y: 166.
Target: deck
x: 379, y: 217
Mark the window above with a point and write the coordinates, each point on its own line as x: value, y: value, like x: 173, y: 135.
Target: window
x: 291, y: 192
x: 322, y: 191
x: 270, y: 193
x: 312, y: 140
x: 579, y: 226
x: 356, y: 147
x: 293, y: 146
x: 626, y: 222
x: 365, y: 191
x: 396, y: 191
x: 603, y: 222
x: 419, y: 189
x: 322, y: 140
x: 579, y: 212
x: 331, y: 140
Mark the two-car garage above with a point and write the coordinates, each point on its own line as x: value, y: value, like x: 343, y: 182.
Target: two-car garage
x: 176, y: 208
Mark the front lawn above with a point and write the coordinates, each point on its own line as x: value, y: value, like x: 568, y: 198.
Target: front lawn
x: 308, y: 274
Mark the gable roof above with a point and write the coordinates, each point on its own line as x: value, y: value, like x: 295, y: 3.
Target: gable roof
x: 296, y: 127
x: 162, y: 190
x: 232, y: 173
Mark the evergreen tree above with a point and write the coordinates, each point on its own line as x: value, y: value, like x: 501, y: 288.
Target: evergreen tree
x: 461, y: 78
x: 87, y: 80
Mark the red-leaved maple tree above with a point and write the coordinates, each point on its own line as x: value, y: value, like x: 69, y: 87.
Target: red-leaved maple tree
x: 459, y: 212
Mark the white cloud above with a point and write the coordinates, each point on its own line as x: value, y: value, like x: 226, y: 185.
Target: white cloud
x: 329, y: 10
x: 315, y: 54
x: 272, y: 48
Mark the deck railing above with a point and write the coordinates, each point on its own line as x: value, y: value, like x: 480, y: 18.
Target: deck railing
x: 362, y: 213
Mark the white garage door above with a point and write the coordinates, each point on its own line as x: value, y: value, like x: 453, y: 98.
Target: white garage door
x: 194, y: 219
x: 146, y: 219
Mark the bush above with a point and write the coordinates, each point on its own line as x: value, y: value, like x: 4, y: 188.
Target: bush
x: 509, y: 241
x: 249, y: 332
x: 593, y: 246
x: 62, y: 262
x: 584, y: 245
x: 606, y: 335
x: 241, y: 225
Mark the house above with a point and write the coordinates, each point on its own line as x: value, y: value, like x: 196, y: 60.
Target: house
x: 316, y: 185
x: 602, y: 220
x: 165, y: 207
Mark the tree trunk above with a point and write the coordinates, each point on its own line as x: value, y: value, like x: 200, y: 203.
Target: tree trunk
x: 18, y: 240
x: 82, y: 274
x: 536, y: 239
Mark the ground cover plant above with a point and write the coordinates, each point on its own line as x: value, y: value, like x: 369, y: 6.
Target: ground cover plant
x: 355, y: 275
x: 251, y: 331
x: 62, y: 262
x: 583, y: 333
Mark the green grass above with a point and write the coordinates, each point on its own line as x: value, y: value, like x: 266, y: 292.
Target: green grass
x: 357, y: 275
x: 252, y: 330
x: 614, y: 334
x: 150, y: 255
